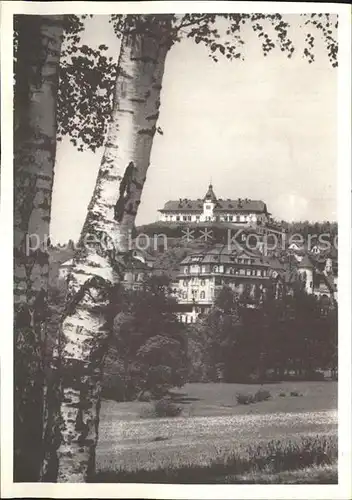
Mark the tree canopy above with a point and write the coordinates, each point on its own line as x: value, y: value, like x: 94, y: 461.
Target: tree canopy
x: 87, y: 75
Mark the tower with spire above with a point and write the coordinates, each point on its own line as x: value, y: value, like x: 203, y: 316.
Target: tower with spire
x: 209, y: 203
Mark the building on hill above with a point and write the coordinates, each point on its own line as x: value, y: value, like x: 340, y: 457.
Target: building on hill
x: 213, y: 209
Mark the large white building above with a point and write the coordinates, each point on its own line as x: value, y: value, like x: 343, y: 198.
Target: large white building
x: 213, y: 209
x: 203, y: 274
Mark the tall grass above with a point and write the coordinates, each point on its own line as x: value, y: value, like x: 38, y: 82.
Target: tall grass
x: 271, y: 457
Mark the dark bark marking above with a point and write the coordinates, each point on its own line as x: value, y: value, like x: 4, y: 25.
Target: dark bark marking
x: 125, y: 190
x: 147, y: 131
x: 153, y: 117
x: 145, y: 59
x: 137, y: 100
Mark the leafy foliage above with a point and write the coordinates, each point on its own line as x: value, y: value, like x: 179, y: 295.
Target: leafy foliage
x: 87, y: 78
x: 148, y: 348
x: 293, y: 334
x: 88, y: 75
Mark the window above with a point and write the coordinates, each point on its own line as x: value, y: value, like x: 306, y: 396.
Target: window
x: 186, y: 270
x: 202, y: 283
x: 184, y: 282
x: 259, y: 273
x: 215, y: 269
x: 202, y: 295
x: 248, y: 272
x: 184, y: 217
x: 184, y: 295
x: 204, y: 269
x: 177, y: 217
x: 189, y: 217
x: 207, y: 207
x: 242, y: 271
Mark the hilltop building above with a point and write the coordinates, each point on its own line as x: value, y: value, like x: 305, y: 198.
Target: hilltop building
x: 213, y: 209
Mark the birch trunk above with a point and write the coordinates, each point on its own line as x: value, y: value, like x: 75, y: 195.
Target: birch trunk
x: 74, y: 413
x: 37, y: 70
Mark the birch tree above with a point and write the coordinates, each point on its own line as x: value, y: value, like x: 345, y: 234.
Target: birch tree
x: 37, y: 49
x: 36, y: 73
x: 72, y: 416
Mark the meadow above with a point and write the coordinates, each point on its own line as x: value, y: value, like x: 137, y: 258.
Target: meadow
x: 291, y: 438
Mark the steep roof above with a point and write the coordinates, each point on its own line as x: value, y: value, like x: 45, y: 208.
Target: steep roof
x: 240, y: 205
x: 223, y: 254
x: 183, y: 205
x: 210, y: 195
x: 222, y: 206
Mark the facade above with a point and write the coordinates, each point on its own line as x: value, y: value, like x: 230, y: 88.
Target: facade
x: 201, y: 275
x: 213, y: 209
x: 318, y: 275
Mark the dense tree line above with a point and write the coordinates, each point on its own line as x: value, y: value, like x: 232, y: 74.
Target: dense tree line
x: 289, y: 337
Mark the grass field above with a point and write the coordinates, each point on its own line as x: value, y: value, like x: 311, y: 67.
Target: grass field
x: 213, y: 427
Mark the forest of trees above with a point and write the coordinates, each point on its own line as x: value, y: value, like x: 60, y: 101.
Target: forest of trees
x: 150, y: 351
x: 294, y: 337
x: 63, y: 87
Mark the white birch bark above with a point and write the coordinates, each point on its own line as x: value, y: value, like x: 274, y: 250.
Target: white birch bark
x: 37, y: 70
x: 97, y: 267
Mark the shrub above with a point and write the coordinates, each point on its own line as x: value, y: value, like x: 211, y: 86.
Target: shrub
x: 145, y: 397
x: 261, y: 395
x: 295, y: 394
x: 316, y: 376
x: 161, y: 409
x: 244, y: 399
x: 282, y: 395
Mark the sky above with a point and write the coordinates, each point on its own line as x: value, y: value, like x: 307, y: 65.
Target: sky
x: 264, y: 128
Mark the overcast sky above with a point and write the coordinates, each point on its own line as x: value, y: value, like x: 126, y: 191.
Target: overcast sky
x: 263, y: 128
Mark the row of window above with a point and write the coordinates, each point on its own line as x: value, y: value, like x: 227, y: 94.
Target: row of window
x: 226, y: 218
x: 194, y: 268
x: 195, y: 294
x: 238, y: 272
x: 188, y: 319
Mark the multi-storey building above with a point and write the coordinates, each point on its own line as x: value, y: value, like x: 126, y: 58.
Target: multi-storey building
x: 213, y: 209
x: 202, y: 275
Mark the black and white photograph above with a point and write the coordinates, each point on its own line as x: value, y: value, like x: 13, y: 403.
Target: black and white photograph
x: 178, y: 186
